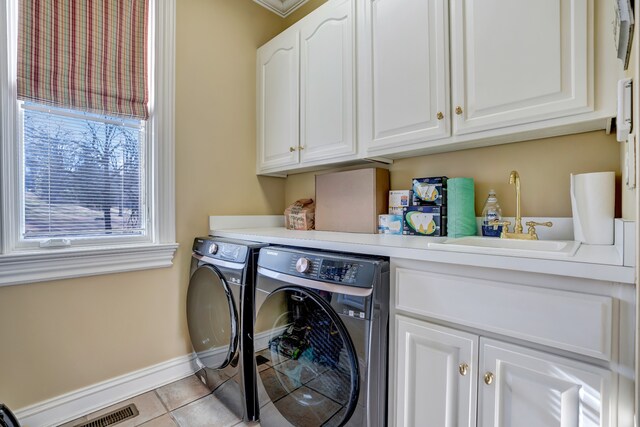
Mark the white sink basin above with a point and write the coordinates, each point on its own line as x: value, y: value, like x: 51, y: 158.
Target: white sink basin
x: 509, y: 247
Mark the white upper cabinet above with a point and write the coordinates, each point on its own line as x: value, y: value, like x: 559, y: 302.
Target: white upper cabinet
x: 519, y: 70
x: 404, y: 72
x: 518, y: 61
x: 306, y: 92
x: 327, y: 84
x: 278, y: 102
x: 431, y: 76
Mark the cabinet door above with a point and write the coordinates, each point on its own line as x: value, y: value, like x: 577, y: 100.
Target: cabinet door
x: 519, y: 61
x: 277, y: 102
x: 403, y: 73
x: 327, y: 83
x: 436, y: 375
x: 530, y: 388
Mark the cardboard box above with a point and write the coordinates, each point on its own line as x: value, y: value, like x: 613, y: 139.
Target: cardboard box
x: 351, y: 200
x: 425, y: 221
x: 398, y: 200
x: 430, y: 191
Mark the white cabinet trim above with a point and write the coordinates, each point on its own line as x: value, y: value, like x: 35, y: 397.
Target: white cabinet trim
x: 550, y: 317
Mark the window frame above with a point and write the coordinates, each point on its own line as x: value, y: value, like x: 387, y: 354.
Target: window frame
x: 27, y: 264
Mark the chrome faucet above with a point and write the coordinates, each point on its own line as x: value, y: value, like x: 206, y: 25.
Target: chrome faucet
x: 517, y: 233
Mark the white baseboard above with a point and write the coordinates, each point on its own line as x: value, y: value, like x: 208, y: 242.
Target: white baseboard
x: 92, y: 398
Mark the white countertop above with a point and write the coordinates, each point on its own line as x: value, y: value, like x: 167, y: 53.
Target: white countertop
x: 590, y: 262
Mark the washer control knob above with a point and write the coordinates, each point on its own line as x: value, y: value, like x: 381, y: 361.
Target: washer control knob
x: 212, y: 249
x: 303, y: 265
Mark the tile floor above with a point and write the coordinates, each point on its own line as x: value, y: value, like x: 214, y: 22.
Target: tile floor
x: 310, y: 392
x: 189, y: 403
x: 184, y: 403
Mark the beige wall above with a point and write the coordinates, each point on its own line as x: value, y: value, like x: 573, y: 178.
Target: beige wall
x: 60, y: 336
x: 301, y: 12
x: 544, y: 167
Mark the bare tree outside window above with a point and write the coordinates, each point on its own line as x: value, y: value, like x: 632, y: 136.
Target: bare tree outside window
x: 82, y: 177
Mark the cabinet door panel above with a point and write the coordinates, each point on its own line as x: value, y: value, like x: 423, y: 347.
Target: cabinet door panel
x: 507, y: 70
x: 403, y: 77
x: 531, y: 388
x: 431, y: 391
x: 277, y: 99
x: 327, y: 88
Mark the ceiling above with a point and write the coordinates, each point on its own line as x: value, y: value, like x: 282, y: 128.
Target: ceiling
x: 281, y: 7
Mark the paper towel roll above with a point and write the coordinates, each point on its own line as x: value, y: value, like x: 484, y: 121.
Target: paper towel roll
x: 461, y: 219
x: 593, y: 203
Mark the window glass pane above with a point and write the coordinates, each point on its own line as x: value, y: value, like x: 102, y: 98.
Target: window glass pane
x: 83, y: 174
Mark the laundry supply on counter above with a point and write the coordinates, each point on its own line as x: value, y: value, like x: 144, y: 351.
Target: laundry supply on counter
x: 429, y: 191
x: 491, y: 212
x: 593, y: 206
x: 425, y: 221
x: 300, y: 215
x: 398, y: 200
x: 461, y: 216
x: 390, y: 224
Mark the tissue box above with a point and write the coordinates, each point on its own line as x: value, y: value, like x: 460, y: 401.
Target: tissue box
x: 399, y: 199
x: 351, y: 200
x: 430, y: 191
x: 390, y: 224
x: 425, y: 221
x: 300, y: 215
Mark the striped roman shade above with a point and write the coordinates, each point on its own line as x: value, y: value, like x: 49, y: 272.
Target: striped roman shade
x: 87, y: 55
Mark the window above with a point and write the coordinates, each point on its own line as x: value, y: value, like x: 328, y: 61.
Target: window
x: 82, y: 176
x: 84, y: 190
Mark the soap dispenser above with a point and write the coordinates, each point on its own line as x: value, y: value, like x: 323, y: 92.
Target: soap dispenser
x: 491, y: 212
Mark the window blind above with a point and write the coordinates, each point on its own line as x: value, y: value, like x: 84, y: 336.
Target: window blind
x: 84, y: 54
x: 83, y: 175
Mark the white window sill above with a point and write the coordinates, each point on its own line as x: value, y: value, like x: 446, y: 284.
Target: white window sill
x: 41, y: 265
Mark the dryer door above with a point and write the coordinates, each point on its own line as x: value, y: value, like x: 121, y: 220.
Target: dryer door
x: 307, y: 364
x: 212, y: 318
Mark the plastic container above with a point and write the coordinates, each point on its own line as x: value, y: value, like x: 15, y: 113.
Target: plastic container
x: 491, y: 212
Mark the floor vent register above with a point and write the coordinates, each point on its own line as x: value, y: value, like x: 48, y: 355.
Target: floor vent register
x: 112, y: 418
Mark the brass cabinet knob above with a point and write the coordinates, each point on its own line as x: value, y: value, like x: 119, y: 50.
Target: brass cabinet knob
x: 463, y: 369
x: 440, y: 116
x: 488, y: 378
x: 300, y: 147
x: 458, y: 110
x: 292, y: 149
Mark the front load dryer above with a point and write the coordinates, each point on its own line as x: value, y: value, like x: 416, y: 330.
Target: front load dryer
x: 220, y: 307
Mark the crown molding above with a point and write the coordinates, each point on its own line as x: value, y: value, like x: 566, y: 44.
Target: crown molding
x: 281, y: 7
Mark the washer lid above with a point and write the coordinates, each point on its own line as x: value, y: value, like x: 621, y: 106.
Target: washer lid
x: 212, y: 318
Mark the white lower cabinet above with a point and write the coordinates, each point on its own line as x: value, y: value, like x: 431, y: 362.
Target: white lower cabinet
x: 490, y: 348
x: 527, y: 388
x: 438, y: 377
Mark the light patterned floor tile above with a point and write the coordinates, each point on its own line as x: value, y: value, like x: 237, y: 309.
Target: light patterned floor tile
x: 206, y: 412
x: 163, y: 421
x: 182, y: 392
